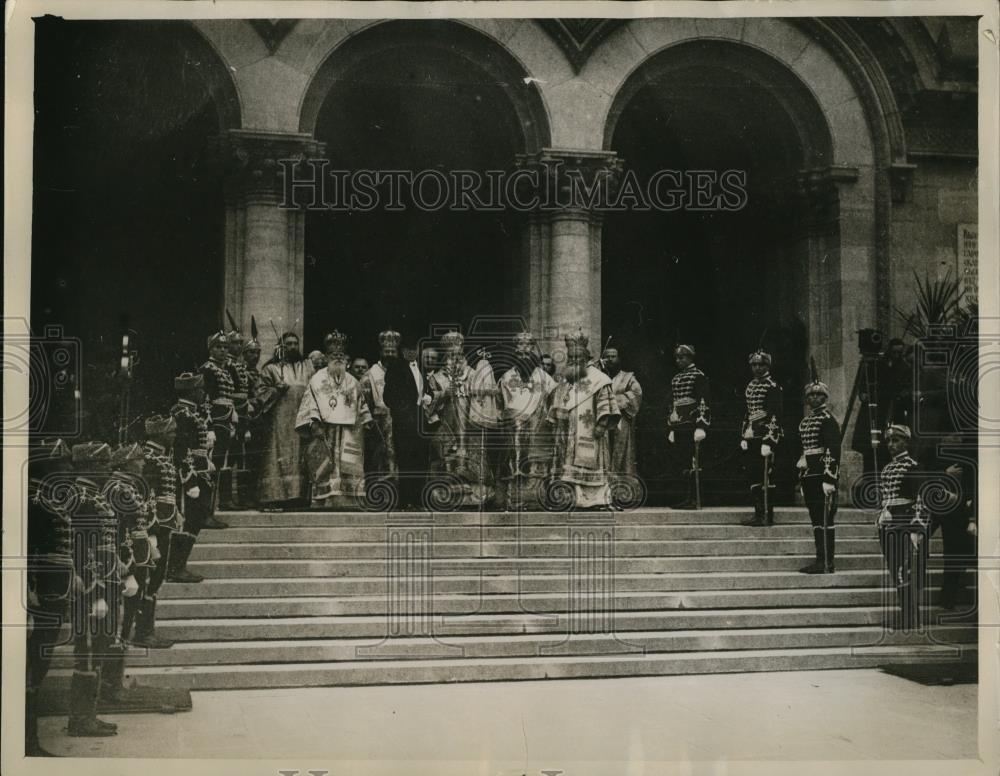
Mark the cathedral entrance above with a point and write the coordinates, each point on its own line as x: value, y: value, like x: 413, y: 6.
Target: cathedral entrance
x: 725, y: 280
x: 431, y: 103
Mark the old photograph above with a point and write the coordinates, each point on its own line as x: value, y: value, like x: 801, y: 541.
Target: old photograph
x: 441, y: 386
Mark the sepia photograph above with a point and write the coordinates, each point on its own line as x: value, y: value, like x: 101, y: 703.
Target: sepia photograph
x: 501, y: 388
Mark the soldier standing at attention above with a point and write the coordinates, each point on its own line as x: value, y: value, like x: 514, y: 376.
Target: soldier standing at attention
x: 819, y: 470
x: 903, y: 526
x: 689, y: 420
x: 761, y: 431
x: 219, y: 388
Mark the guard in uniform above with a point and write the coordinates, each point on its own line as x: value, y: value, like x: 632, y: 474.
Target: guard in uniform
x: 241, y: 477
x: 761, y: 432
x: 161, y: 477
x: 194, y: 470
x: 95, y: 587
x: 125, y: 492
x: 819, y: 472
x: 689, y: 420
x: 220, y: 388
x: 903, y: 527
x: 50, y: 571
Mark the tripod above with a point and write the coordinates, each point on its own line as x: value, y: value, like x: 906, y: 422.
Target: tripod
x: 867, y: 375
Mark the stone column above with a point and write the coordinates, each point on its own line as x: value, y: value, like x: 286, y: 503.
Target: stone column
x: 265, y: 241
x: 573, y: 188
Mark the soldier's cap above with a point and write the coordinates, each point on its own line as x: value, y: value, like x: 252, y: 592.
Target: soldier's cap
x: 760, y: 357
x: 252, y: 344
x: 234, y: 336
x: 188, y: 381
x: 898, y: 429
x: 160, y: 424
x: 216, y: 338
x: 688, y: 349
x: 92, y: 453
x: 816, y: 386
x: 125, y: 454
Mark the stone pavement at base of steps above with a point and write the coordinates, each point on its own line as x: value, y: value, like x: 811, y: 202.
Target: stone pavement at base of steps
x: 528, y: 726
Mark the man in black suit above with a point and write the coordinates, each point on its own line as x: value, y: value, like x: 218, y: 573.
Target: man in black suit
x: 404, y: 388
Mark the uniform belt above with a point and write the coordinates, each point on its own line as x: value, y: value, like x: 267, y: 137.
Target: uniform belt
x: 814, y: 451
x: 224, y: 400
x: 683, y: 402
x: 759, y: 415
x: 897, y: 502
x: 166, y: 500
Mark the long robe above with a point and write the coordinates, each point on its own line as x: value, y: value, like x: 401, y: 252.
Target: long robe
x: 527, y: 455
x: 628, y: 398
x: 582, y: 459
x: 458, y: 446
x: 380, y: 445
x: 282, y: 473
x: 336, y: 454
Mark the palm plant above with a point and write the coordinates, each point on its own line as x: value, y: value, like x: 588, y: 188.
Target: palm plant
x: 939, y: 301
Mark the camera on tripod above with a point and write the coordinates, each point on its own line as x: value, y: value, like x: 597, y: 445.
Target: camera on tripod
x: 871, y: 342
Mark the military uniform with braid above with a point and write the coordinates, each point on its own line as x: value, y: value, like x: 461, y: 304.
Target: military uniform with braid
x: 760, y: 434
x: 819, y: 473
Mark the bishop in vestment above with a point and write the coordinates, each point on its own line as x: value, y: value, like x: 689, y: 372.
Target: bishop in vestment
x: 526, y: 461
x: 278, y: 394
x: 463, y: 405
x: 628, y: 397
x: 332, y: 416
x: 583, y: 410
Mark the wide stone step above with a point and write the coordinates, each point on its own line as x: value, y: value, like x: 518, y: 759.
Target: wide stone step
x: 525, y: 645
x: 537, y: 565
x: 492, y: 584
x: 601, y: 606
x: 499, y: 623
x: 517, y: 550
x: 370, y: 672
x: 713, y: 515
x: 524, y: 533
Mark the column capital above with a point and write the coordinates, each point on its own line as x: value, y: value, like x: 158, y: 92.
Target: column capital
x: 250, y: 160
x: 821, y: 189
x: 571, y: 180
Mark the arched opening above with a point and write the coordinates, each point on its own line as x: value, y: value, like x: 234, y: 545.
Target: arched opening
x: 127, y: 230
x: 723, y: 280
x: 416, y: 96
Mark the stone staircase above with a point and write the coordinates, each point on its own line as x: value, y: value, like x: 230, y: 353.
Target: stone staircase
x: 309, y: 599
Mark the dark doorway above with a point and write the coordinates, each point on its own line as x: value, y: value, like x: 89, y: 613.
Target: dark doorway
x: 127, y: 229
x: 723, y: 281
x: 413, y: 108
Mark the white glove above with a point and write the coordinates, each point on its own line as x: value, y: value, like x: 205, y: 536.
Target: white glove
x: 743, y: 445
x: 425, y: 400
x: 828, y: 489
x: 801, y: 463
x: 670, y: 437
x: 971, y: 529
x: 100, y: 609
x: 884, y: 517
x: 131, y: 586
x: 915, y: 538
x: 194, y: 491
x: 765, y: 450
x: 246, y: 436
x: 210, y: 440
x: 699, y: 434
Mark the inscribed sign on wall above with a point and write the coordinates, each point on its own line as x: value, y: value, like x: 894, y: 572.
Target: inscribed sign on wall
x: 968, y: 262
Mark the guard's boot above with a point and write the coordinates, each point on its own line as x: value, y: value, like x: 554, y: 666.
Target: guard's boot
x: 758, y: 516
x: 32, y: 748
x: 145, y: 634
x: 225, y: 493
x: 816, y: 567
x: 112, y: 673
x: 768, y: 513
x: 130, y: 609
x: 181, y: 545
x: 83, y: 719
x: 828, y: 549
